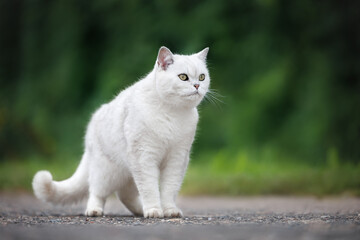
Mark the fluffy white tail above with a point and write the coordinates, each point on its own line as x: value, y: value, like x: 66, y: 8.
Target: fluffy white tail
x: 64, y: 192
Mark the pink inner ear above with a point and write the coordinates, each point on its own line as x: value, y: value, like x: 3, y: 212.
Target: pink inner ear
x: 165, y: 58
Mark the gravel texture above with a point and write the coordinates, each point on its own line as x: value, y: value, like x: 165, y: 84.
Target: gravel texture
x: 22, y: 216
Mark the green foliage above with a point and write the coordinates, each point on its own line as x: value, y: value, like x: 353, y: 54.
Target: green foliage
x: 288, y: 71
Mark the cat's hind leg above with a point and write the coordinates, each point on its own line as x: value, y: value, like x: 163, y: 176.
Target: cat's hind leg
x: 128, y: 194
x: 103, y: 180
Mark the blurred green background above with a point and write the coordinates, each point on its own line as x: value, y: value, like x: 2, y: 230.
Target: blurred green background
x: 288, y: 71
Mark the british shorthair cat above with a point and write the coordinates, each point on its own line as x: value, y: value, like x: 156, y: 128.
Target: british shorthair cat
x: 138, y: 144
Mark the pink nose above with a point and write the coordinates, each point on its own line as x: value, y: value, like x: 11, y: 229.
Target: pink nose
x: 196, y: 86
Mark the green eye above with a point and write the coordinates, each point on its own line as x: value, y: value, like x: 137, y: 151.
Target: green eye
x: 183, y: 77
x: 202, y: 77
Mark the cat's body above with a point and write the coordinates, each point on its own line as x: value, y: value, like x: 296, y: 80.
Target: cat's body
x: 138, y: 145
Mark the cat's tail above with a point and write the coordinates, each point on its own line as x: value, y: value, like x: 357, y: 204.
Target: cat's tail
x: 68, y: 191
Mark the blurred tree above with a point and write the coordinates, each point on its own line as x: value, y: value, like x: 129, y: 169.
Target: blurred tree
x: 289, y: 70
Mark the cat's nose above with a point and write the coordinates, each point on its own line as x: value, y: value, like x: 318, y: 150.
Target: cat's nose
x: 196, y: 86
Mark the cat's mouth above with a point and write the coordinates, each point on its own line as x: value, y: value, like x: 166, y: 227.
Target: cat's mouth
x: 196, y: 92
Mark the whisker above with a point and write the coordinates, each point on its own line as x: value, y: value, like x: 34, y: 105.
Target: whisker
x: 213, y: 97
x: 216, y: 93
x: 210, y: 99
x: 216, y: 98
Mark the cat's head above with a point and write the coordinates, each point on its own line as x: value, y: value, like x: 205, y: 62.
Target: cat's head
x: 181, y: 80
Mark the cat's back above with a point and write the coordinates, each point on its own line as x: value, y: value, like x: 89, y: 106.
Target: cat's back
x: 109, y: 116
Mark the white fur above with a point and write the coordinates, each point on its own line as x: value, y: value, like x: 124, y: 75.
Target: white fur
x: 138, y: 144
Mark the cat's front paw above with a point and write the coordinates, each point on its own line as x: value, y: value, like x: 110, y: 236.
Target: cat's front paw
x: 94, y: 212
x: 153, y: 213
x: 173, y: 212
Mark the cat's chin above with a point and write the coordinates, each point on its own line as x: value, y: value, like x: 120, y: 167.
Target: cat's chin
x: 192, y: 100
x: 193, y: 97
x: 196, y: 94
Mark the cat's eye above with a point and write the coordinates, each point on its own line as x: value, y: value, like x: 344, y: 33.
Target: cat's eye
x: 183, y: 77
x: 202, y: 77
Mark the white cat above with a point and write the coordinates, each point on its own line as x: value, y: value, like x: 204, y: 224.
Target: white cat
x: 138, y: 144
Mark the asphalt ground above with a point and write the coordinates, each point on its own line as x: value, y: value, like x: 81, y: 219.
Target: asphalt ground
x: 24, y: 217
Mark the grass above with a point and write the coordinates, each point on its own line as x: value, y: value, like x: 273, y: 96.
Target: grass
x: 17, y: 175
x: 245, y: 175
x: 221, y: 174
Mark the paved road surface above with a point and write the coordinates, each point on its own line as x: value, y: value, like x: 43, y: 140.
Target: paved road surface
x: 22, y: 216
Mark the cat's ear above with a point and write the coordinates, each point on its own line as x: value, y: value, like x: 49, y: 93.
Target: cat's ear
x: 165, y: 58
x: 203, y: 54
